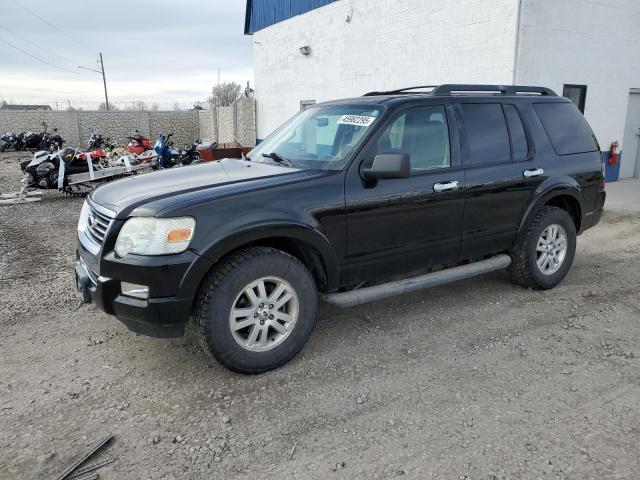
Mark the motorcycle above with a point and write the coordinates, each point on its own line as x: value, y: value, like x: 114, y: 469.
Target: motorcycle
x: 167, y: 156
x: 7, y: 140
x: 190, y: 154
x: 52, y: 142
x: 138, y: 144
x: 96, y: 140
x: 36, y: 140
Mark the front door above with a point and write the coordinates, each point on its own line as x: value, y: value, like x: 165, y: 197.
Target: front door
x: 400, y: 226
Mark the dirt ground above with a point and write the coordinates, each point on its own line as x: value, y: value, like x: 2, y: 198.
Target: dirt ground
x: 476, y: 380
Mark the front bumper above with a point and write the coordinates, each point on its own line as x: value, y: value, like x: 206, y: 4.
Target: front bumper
x: 162, y: 317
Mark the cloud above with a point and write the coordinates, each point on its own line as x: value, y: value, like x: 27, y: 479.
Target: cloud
x: 163, y: 51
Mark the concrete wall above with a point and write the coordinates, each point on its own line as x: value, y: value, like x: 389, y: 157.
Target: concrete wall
x: 592, y: 43
x: 224, y: 125
x: 386, y: 44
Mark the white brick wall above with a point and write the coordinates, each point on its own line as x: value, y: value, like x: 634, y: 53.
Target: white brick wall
x: 593, y: 43
x: 388, y: 44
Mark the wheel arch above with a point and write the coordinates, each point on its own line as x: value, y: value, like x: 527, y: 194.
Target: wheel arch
x: 566, y: 195
x: 306, y: 244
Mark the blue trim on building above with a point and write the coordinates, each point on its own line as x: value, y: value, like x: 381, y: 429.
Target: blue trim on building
x: 263, y: 13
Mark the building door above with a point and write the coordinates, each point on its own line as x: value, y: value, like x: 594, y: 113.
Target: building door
x: 630, y: 166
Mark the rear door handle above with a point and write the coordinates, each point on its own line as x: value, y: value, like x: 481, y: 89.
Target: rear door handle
x: 444, y: 186
x: 534, y: 172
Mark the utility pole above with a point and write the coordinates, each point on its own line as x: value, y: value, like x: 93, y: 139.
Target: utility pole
x: 104, y: 79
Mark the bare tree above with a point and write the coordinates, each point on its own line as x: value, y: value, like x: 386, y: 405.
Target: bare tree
x: 176, y: 106
x: 225, y: 94
x: 155, y: 106
x: 138, y: 105
x: 103, y: 106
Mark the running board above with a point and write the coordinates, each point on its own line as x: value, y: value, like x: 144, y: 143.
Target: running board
x: 391, y: 289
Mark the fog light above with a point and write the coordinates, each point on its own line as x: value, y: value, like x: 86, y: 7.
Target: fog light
x: 134, y: 290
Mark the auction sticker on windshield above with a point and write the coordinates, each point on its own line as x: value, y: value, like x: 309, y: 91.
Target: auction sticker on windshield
x: 360, y: 120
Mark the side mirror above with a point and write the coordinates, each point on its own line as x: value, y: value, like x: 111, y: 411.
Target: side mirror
x: 387, y: 166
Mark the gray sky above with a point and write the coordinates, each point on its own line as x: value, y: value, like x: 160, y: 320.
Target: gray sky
x: 161, y: 51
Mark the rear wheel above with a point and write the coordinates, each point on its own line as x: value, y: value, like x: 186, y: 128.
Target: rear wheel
x: 257, y: 310
x: 544, y: 254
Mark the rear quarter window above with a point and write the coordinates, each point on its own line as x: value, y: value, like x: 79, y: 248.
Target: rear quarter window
x: 566, y: 128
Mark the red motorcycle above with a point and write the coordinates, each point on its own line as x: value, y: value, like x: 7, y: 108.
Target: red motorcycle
x: 138, y: 144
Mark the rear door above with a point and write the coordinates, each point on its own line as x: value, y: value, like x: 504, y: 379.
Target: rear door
x: 402, y: 225
x: 501, y: 173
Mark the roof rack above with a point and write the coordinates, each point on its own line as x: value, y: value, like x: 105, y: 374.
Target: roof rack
x: 400, y: 91
x: 458, y: 89
x: 452, y: 89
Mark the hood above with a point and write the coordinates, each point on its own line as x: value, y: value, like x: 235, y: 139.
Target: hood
x: 124, y: 195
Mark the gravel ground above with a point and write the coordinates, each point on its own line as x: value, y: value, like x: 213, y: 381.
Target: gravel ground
x: 476, y: 380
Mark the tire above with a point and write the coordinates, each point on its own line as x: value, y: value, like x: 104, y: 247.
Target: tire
x: 19, y: 146
x: 225, y: 290
x: 525, y: 257
x: 3, y: 147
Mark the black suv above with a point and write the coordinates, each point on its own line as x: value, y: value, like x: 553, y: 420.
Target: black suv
x: 357, y: 200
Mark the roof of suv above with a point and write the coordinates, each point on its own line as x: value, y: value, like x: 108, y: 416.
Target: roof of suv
x: 447, y: 90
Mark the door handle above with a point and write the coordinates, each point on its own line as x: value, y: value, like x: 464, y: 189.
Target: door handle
x: 444, y: 186
x: 534, y: 172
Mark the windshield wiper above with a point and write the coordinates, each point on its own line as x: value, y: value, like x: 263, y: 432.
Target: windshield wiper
x: 278, y: 158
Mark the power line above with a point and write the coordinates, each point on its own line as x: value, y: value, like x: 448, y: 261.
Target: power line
x: 35, y: 44
x: 37, y: 58
x: 44, y: 20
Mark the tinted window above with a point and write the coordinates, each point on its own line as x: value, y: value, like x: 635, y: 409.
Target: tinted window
x: 519, y: 147
x: 566, y: 128
x: 423, y: 134
x: 486, y: 131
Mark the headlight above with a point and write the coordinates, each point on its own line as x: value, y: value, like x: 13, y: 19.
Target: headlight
x: 155, y: 236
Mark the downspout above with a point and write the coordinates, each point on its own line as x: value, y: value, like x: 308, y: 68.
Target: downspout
x: 516, y: 51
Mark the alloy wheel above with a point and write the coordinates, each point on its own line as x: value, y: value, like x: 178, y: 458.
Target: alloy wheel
x: 551, y: 249
x: 263, y: 314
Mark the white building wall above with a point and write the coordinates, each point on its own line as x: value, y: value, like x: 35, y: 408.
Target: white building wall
x: 387, y: 44
x: 593, y: 43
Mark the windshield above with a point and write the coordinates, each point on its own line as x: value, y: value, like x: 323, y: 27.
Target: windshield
x: 320, y: 137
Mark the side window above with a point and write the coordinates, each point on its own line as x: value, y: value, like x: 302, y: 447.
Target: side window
x: 486, y: 131
x: 519, y: 146
x: 423, y: 134
x: 566, y: 128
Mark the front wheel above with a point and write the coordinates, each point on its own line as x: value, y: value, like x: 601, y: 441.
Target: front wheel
x: 257, y: 310
x: 544, y: 254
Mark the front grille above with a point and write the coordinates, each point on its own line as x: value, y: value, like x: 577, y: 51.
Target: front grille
x: 98, y: 224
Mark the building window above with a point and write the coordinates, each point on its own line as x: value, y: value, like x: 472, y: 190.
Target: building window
x: 577, y: 94
x: 304, y: 104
